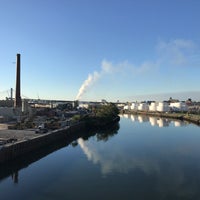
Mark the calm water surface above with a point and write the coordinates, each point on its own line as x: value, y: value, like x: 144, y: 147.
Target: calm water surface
x: 145, y: 158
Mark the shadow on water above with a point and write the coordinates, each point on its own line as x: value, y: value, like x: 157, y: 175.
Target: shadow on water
x: 13, y: 167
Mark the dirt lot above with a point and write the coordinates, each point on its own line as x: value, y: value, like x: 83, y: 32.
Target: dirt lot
x: 17, y: 134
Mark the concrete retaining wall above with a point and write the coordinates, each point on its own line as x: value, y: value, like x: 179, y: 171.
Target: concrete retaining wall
x: 12, y: 151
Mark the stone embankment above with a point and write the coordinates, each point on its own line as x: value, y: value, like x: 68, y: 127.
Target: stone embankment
x: 23, y: 142
x: 181, y: 116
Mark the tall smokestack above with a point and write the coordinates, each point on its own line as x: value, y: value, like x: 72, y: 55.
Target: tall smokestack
x: 18, y: 101
x: 11, y: 94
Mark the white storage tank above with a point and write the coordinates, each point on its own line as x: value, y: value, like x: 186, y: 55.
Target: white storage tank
x: 127, y: 107
x: 153, y: 106
x: 143, y: 107
x: 83, y: 105
x: 163, y: 107
x: 134, y: 106
x: 179, y: 106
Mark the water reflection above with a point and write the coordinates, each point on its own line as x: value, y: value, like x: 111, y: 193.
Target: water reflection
x: 14, y: 176
x: 134, y: 161
x: 142, y: 119
x: 107, y: 133
x: 114, y: 160
x: 170, y: 161
x: 134, y: 118
x: 155, y: 121
x: 12, y: 168
x: 163, y: 122
x: 180, y: 123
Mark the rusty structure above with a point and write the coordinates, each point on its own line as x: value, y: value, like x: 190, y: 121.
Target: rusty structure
x: 18, y: 101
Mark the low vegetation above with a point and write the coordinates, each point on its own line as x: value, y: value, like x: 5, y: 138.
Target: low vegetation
x: 102, y: 116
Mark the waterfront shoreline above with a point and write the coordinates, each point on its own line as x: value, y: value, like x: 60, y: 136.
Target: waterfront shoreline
x: 28, y: 144
x: 195, y: 119
x: 25, y: 142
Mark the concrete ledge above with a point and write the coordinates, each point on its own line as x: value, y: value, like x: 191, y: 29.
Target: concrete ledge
x: 27, y: 145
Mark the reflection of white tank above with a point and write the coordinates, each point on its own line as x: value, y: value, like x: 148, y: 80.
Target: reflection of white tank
x: 153, y: 106
x: 179, y: 123
x: 125, y: 115
x: 163, y: 107
x: 143, y: 106
x: 153, y: 121
x: 142, y: 118
x: 134, y: 118
x: 162, y: 122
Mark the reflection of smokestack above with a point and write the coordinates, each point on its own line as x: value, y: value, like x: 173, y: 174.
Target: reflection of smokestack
x: 18, y: 101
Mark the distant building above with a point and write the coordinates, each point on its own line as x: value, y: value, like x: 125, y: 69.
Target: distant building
x: 178, y: 106
x: 7, y: 114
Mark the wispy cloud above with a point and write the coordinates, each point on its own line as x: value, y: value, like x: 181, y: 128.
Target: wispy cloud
x: 182, y: 96
x: 176, y: 52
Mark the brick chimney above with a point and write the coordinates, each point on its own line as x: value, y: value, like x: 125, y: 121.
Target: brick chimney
x: 18, y: 101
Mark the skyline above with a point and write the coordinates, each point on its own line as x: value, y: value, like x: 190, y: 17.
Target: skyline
x: 92, y: 50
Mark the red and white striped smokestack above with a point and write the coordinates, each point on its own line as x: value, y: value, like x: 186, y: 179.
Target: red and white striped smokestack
x: 18, y: 101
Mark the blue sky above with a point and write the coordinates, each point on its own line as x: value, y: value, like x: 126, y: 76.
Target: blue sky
x: 123, y: 50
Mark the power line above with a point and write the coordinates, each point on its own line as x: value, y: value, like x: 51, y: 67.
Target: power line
x: 7, y: 94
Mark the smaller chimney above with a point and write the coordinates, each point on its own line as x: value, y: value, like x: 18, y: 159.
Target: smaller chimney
x: 11, y: 94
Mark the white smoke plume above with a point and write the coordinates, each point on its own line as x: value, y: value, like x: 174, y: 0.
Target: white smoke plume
x: 92, y: 78
x: 106, y: 67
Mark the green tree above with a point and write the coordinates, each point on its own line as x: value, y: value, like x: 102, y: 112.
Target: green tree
x: 107, y: 111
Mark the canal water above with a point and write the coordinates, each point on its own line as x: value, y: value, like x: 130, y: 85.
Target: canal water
x: 141, y: 158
